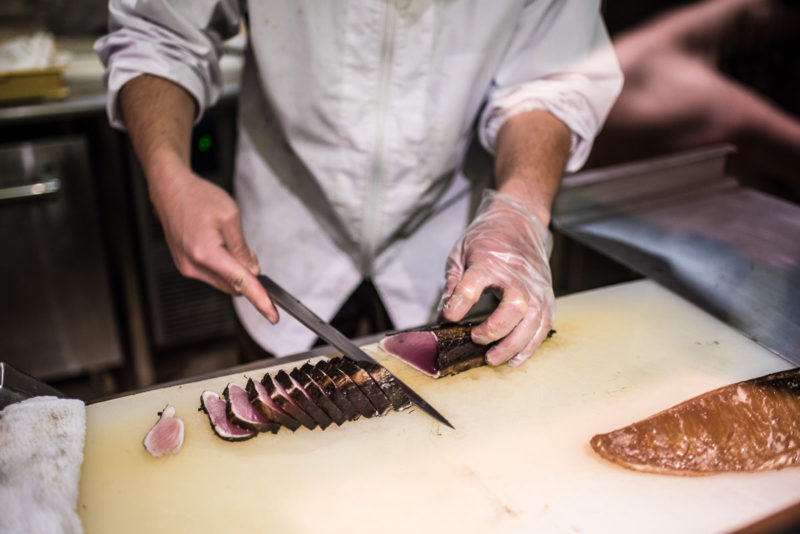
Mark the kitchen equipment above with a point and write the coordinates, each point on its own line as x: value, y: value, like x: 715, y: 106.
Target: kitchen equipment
x: 683, y: 222
x: 518, y: 461
x: 56, y: 311
x: 327, y: 333
x: 16, y: 386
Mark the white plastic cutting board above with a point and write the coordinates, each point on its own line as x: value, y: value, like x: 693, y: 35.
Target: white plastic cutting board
x: 518, y: 461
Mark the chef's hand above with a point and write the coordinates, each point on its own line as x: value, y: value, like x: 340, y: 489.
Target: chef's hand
x: 204, y: 233
x: 505, y: 249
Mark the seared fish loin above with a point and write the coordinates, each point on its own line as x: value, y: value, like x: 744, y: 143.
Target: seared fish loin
x: 437, y: 351
x: 743, y: 427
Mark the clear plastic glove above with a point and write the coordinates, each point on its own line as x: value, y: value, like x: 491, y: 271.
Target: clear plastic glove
x: 504, y: 249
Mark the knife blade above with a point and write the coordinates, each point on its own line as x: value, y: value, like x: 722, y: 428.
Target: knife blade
x: 336, y: 339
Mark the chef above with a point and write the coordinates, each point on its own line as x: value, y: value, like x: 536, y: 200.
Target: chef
x: 355, y: 122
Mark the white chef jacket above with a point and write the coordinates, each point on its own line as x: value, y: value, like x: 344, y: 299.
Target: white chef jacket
x: 354, y: 122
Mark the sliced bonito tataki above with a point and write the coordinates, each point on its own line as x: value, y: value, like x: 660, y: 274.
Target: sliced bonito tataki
x: 241, y: 411
x: 367, y: 385
x: 399, y: 399
x: 302, y: 399
x: 262, y: 401
x: 317, y: 396
x: 282, y: 398
x: 348, y: 387
x: 332, y: 391
x: 216, y: 408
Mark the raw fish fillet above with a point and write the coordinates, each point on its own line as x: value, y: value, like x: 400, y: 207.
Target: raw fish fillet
x: 747, y: 426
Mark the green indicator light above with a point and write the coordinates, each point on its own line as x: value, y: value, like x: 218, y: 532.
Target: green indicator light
x: 204, y: 143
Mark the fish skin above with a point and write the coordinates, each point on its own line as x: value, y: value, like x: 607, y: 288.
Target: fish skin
x: 747, y: 426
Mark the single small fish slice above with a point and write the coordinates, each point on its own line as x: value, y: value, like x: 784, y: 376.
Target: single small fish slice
x: 166, y: 436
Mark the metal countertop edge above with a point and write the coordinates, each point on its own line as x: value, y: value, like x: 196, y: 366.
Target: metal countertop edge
x: 258, y: 364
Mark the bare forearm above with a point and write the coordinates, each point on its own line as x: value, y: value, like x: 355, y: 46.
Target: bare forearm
x: 159, y: 116
x: 532, y: 151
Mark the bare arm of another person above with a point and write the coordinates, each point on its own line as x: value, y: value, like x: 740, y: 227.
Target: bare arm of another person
x: 505, y: 247
x: 201, y: 221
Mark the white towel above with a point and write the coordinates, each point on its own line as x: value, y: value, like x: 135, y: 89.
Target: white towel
x: 41, y: 450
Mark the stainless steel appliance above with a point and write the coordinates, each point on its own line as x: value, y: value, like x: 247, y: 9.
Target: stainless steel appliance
x: 56, y: 314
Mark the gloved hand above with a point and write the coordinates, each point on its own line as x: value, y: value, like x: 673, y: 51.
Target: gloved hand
x: 505, y: 249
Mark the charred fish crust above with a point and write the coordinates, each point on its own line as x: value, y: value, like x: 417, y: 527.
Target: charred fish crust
x: 302, y: 399
x: 214, y: 407
x: 261, y: 400
x: 333, y: 392
x: 439, y: 350
x: 457, y: 351
x: 318, y: 396
x: 400, y: 401
x: 367, y: 385
x: 348, y: 387
x: 242, y: 413
x: 282, y: 398
x: 747, y: 426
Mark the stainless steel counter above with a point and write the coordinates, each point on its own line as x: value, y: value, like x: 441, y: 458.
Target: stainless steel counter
x: 682, y: 221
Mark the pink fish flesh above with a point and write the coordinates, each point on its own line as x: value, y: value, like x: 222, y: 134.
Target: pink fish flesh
x: 166, y: 436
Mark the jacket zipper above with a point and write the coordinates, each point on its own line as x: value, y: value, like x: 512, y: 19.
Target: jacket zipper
x: 371, y: 206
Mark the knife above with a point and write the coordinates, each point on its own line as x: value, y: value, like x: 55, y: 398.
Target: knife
x: 336, y: 339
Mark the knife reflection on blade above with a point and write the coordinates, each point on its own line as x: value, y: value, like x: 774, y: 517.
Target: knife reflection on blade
x: 336, y: 339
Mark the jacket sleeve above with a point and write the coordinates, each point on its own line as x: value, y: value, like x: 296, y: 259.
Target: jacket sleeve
x: 179, y: 40
x: 559, y: 59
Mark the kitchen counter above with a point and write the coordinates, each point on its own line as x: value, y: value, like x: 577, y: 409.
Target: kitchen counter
x: 517, y: 461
